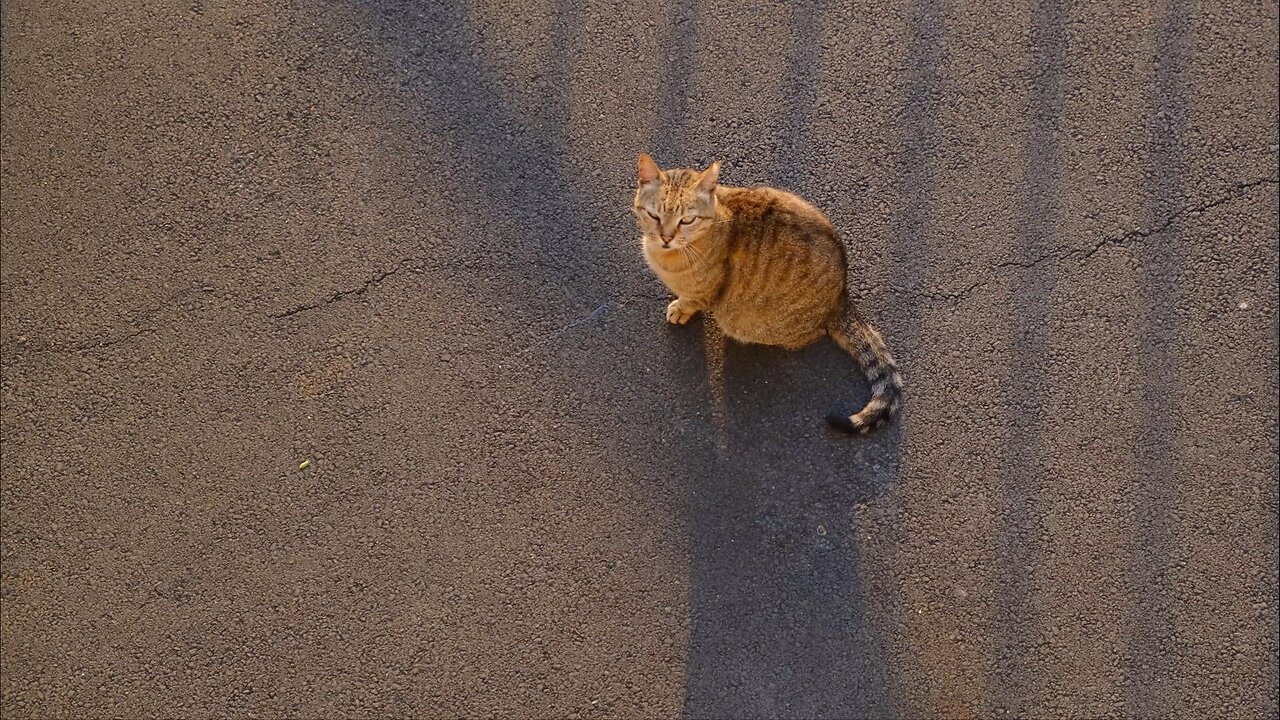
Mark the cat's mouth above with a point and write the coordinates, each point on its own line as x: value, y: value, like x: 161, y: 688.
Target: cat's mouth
x: 671, y: 245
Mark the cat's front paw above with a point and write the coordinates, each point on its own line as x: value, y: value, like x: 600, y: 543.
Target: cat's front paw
x: 679, y: 313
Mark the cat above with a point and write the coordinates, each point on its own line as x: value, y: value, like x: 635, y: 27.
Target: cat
x: 767, y: 265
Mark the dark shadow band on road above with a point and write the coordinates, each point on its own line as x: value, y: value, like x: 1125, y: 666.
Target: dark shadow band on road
x: 911, y: 253
x: 1148, y: 652
x: 672, y: 136
x: 1019, y: 551
x: 794, y: 131
x: 779, y: 624
x: 504, y: 158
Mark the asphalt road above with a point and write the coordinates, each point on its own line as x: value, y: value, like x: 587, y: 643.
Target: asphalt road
x: 394, y: 241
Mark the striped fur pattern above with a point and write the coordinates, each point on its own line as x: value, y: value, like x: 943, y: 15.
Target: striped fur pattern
x: 766, y: 264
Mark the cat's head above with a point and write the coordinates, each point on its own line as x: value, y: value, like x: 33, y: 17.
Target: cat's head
x: 674, y: 207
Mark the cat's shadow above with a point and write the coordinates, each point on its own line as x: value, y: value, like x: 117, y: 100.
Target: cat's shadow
x: 779, y: 626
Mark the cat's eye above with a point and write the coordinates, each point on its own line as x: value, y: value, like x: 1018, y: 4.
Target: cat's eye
x: 655, y: 217
x: 686, y: 221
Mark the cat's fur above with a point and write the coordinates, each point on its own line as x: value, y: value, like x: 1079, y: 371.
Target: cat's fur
x: 766, y: 264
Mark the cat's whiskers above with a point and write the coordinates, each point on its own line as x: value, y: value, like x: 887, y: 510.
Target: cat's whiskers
x: 693, y: 249
x: 684, y: 250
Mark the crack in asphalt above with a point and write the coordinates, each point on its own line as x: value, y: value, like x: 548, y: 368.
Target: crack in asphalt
x: 1064, y: 252
x: 340, y: 294
x: 98, y: 345
x: 1238, y: 191
x: 413, y: 264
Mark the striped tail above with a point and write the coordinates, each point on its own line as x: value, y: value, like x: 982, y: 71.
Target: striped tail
x: 866, y: 345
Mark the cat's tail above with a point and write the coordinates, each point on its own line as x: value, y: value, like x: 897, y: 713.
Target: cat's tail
x: 866, y: 346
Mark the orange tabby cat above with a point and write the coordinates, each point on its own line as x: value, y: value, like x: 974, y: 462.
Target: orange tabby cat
x: 766, y: 264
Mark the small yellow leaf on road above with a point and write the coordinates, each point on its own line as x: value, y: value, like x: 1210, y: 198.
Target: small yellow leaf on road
x: 304, y: 464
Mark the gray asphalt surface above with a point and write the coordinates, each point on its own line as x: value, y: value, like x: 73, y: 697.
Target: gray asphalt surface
x: 393, y: 240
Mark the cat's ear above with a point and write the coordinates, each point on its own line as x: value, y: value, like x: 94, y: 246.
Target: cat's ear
x: 709, y: 177
x: 647, y: 170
